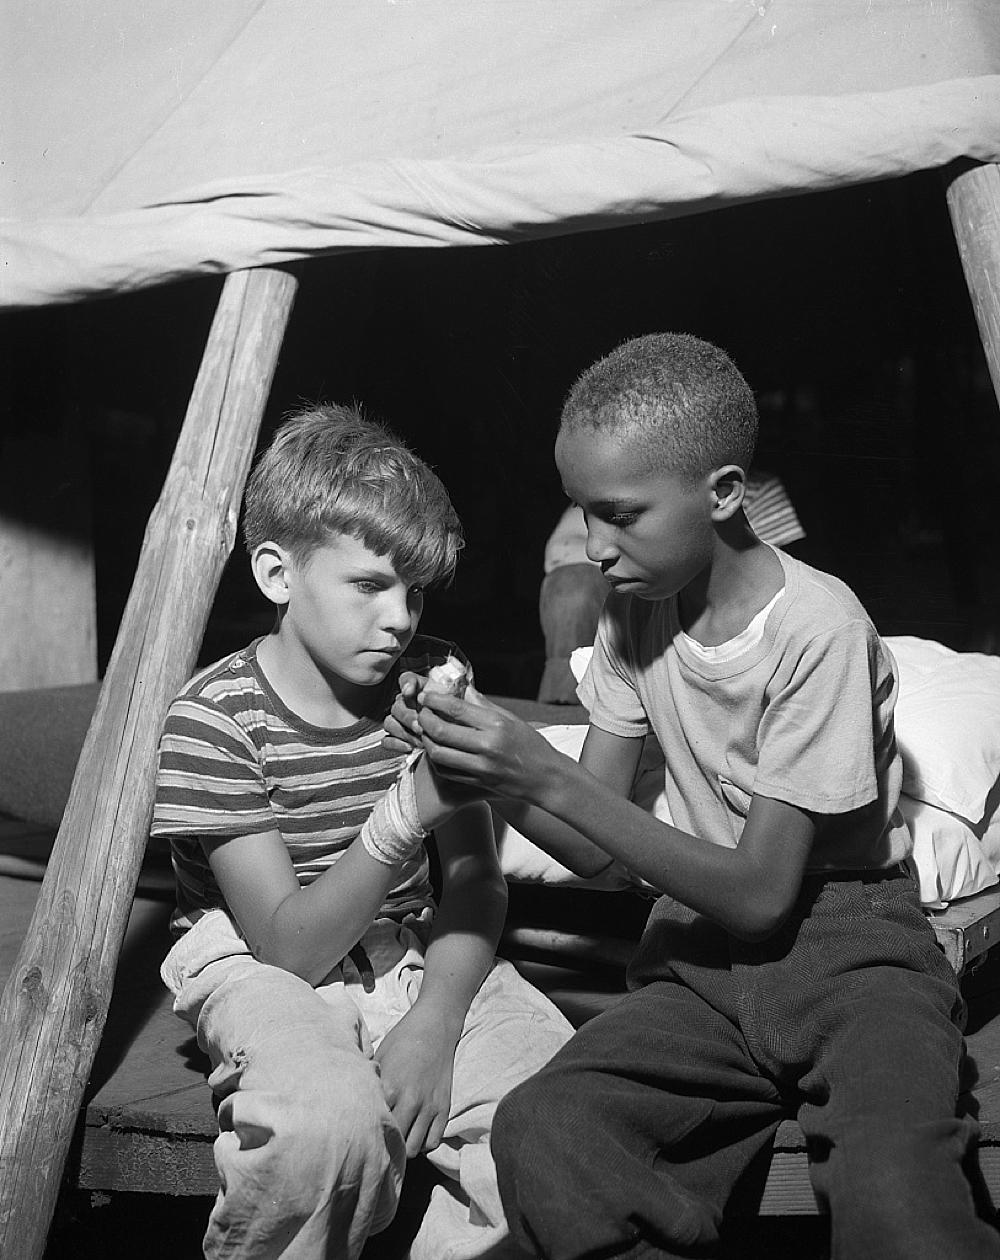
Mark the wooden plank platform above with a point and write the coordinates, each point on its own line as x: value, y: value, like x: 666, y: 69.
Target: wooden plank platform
x: 968, y: 928
x: 148, y: 1122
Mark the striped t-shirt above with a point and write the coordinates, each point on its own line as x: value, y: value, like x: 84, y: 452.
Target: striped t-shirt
x: 235, y: 760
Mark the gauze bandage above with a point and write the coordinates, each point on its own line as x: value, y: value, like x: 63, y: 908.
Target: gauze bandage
x: 452, y: 677
x: 393, y: 831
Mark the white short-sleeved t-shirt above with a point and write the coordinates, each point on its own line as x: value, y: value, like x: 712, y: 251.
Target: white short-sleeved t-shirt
x: 804, y: 716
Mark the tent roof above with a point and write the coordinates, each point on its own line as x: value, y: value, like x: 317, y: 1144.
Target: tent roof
x: 145, y: 143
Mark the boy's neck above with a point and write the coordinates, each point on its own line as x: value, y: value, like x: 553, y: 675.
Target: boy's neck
x: 722, y: 602
x: 308, y: 693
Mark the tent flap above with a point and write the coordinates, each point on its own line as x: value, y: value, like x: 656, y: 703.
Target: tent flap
x: 427, y: 123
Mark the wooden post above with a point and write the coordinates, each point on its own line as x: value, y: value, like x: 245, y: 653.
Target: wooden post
x: 56, y: 999
x: 973, y: 194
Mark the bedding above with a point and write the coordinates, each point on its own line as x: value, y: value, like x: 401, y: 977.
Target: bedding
x: 948, y: 728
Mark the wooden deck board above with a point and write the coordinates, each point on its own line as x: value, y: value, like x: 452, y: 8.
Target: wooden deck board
x: 968, y: 928
x: 149, y: 1122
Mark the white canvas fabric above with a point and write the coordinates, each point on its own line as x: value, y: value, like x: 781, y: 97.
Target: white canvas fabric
x: 143, y: 144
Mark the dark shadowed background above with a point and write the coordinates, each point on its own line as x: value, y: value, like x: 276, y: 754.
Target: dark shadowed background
x: 847, y: 312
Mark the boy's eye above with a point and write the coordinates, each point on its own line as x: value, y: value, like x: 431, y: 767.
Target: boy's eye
x: 367, y: 587
x: 622, y: 520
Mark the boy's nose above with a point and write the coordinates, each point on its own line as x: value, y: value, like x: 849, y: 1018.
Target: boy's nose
x: 397, y: 615
x: 600, y: 548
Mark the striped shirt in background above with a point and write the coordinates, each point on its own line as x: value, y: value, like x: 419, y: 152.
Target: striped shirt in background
x: 769, y: 510
x: 767, y: 505
x: 235, y: 761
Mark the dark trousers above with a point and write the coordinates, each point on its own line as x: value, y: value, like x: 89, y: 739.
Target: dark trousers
x: 631, y: 1141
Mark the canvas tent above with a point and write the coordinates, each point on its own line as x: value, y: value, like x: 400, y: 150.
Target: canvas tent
x: 144, y: 144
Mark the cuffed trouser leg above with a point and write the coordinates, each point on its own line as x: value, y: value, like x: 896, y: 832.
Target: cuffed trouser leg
x: 309, y: 1159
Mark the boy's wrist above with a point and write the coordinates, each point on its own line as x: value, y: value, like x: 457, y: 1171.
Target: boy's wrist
x: 441, y: 1013
x: 430, y: 807
x: 552, y: 787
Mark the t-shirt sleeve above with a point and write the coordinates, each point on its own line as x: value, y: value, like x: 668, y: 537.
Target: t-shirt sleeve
x: 816, y: 744
x: 209, y: 781
x: 607, y: 690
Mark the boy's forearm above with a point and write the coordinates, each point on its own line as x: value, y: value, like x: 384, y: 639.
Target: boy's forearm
x: 463, y: 945
x: 748, y: 896
x: 314, y: 928
x: 565, y: 843
x: 470, y: 916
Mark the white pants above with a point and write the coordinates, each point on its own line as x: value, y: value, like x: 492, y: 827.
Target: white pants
x: 310, y: 1161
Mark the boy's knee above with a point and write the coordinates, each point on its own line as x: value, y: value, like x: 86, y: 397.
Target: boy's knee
x: 534, y: 1124
x: 336, y: 1118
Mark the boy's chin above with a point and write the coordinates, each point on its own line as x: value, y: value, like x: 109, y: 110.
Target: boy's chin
x: 372, y: 673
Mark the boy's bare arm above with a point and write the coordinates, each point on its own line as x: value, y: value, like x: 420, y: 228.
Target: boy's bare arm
x: 565, y: 843
x: 749, y: 890
x: 611, y: 760
x: 304, y: 930
x: 416, y: 1056
x: 308, y: 930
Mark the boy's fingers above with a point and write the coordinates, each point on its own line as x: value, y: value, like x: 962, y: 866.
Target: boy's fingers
x: 404, y: 715
x: 407, y: 727
x: 459, y: 712
x: 416, y: 1135
x: 448, y: 734
x: 410, y: 683
x: 435, y: 1134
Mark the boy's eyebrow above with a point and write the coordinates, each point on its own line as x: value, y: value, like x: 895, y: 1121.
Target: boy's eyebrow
x: 613, y: 505
x: 371, y: 571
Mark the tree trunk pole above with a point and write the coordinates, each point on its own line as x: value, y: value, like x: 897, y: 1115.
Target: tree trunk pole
x: 55, y: 1003
x: 973, y: 194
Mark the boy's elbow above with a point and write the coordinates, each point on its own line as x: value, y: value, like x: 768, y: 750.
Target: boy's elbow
x: 757, y: 920
x: 755, y: 930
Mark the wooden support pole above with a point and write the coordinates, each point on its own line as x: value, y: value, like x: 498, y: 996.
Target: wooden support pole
x: 54, y: 1005
x: 973, y: 194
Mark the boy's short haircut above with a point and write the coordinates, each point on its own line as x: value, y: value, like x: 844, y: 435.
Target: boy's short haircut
x: 330, y: 470
x: 682, y: 399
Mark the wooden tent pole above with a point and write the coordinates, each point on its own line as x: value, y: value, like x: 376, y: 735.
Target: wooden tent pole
x: 973, y: 194
x: 54, y: 1005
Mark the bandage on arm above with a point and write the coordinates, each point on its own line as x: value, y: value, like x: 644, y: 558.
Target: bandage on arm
x: 392, y: 833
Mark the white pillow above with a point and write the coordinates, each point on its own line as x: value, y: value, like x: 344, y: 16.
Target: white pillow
x: 948, y: 859
x: 948, y: 725
x: 990, y: 835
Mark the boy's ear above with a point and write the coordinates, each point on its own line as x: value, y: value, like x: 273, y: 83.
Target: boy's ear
x: 727, y: 486
x: 271, y: 567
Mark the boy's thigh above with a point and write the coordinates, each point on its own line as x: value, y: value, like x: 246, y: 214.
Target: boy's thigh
x: 889, y: 1053
x: 665, y: 1062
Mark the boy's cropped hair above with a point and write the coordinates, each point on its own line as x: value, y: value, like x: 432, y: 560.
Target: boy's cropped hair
x: 682, y: 398
x: 330, y: 470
